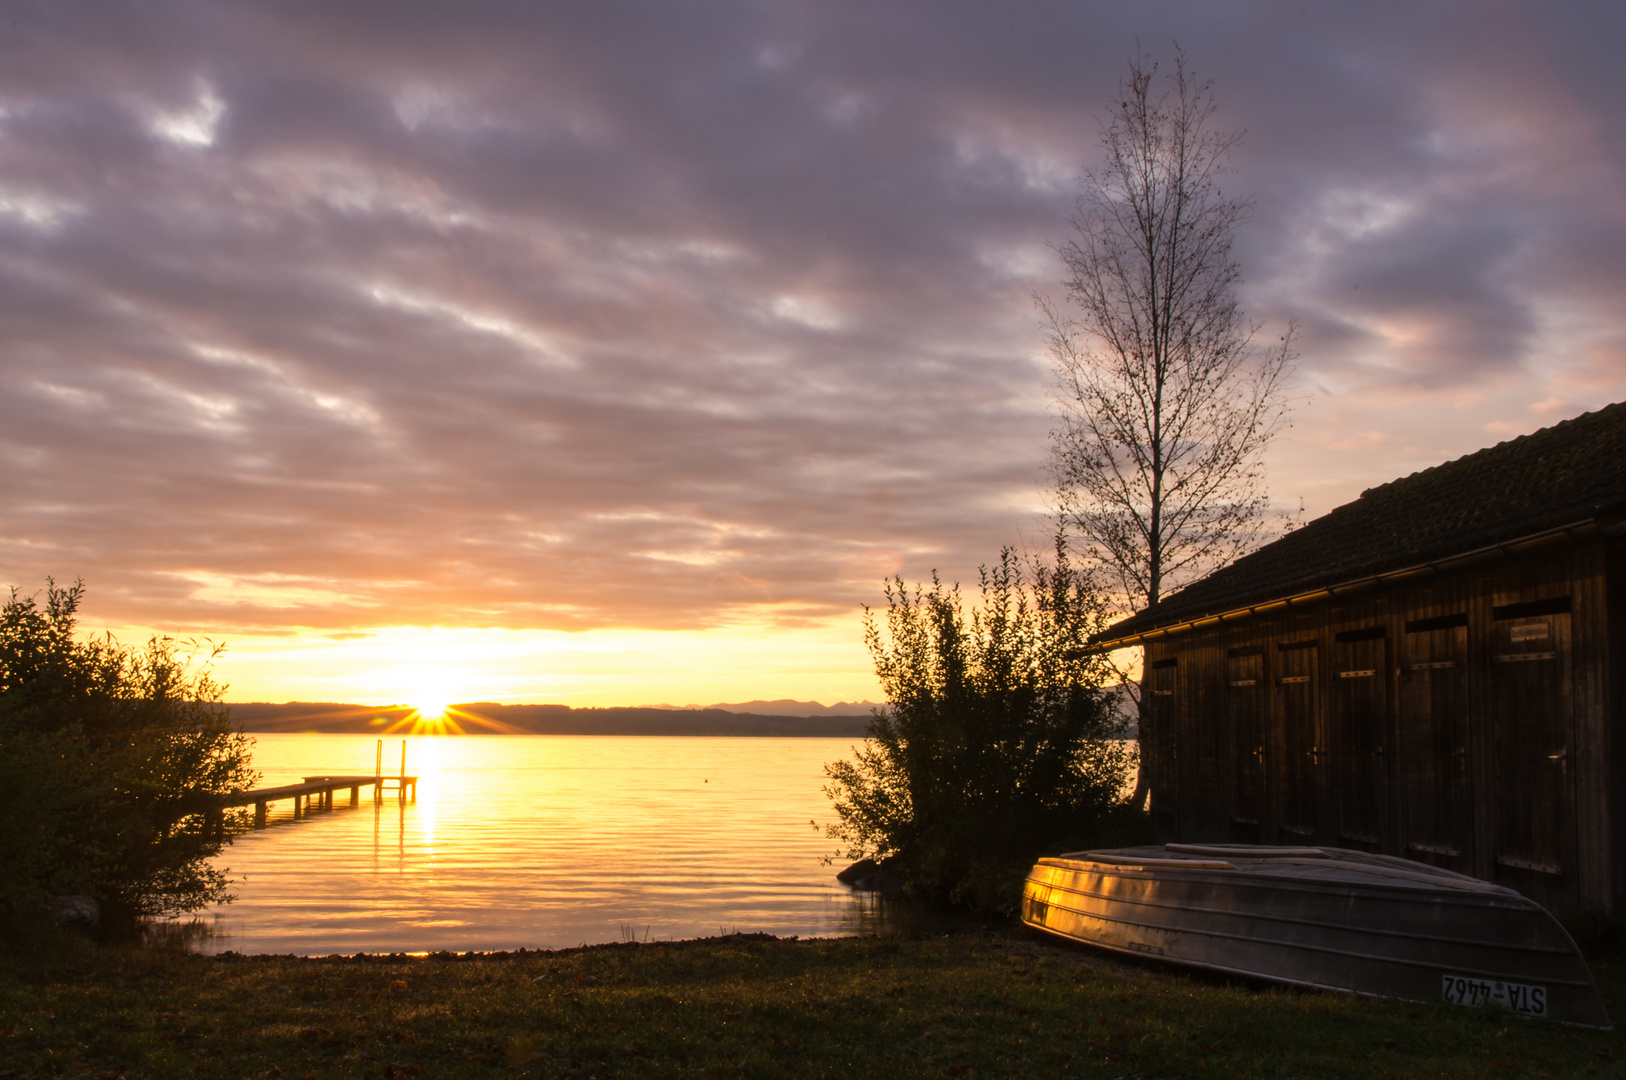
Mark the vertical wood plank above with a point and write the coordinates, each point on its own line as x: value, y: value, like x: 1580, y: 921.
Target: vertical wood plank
x: 1589, y: 625
x: 1615, y: 716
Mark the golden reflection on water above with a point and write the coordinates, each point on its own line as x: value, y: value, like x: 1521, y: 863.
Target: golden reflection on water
x: 543, y: 842
x: 428, y: 773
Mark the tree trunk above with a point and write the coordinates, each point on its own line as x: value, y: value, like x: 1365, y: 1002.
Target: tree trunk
x: 1144, y: 736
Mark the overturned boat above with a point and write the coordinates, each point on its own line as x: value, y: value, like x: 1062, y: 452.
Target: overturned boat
x: 1320, y: 917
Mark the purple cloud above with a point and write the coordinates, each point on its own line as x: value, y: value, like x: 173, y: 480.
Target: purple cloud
x: 646, y: 314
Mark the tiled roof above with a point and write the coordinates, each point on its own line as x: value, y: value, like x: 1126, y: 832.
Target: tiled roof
x: 1558, y: 476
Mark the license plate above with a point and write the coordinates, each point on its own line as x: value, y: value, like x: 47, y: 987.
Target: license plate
x: 1512, y: 996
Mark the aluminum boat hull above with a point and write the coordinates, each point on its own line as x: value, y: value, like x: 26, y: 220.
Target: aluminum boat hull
x: 1320, y: 917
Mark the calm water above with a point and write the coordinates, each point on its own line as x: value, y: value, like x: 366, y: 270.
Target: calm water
x: 542, y: 842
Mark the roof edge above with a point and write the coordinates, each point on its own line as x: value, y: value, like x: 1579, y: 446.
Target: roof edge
x: 1575, y: 531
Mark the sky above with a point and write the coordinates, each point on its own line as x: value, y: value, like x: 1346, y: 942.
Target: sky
x: 614, y: 353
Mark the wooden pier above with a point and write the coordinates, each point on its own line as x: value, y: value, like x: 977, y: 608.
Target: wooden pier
x: 316, y: 792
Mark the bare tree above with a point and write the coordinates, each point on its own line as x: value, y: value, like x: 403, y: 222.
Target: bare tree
x: 1166, y: 404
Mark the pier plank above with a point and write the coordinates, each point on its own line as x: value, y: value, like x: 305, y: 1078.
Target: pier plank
x: 323, y: 788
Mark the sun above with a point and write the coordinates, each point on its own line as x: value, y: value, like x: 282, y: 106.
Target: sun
x: 434, y: 714
x: 433, y: 698
x: 432, y: 706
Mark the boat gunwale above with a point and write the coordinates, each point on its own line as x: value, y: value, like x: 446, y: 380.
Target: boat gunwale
x: 1127, y: 863
x: 1296, y: 921
x: 1238, y: 876
x: 1538, y: 949
x: 1243, y: 851
x: 1365, y: 860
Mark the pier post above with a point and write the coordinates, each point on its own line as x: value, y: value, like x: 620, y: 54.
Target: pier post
x: 259, y: 814
x: 354, y: 796
x: 400, y: 787
x: 378, y: 773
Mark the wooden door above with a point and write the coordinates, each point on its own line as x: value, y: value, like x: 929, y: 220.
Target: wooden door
x: 1163, y: 711
x: 1299, y: 751
x: 1436, y: 783
x: 1245, y: 700
x: 1205, y: 760
x: 1532, y: 728
x: 1360, y: 740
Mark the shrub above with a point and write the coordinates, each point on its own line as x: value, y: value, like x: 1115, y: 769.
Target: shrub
x: 999, y: 739
x: 112, y: 761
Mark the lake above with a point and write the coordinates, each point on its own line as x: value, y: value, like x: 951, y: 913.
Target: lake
x: 541, y: 841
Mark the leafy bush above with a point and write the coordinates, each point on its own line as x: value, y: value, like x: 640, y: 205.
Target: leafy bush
x: 999, y: 740
x: 112, y: 759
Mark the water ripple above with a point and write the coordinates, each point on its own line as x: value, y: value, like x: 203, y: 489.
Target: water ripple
x: 541, y: 842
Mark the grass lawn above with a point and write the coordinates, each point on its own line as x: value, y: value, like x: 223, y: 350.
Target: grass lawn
x: 997, y: 1002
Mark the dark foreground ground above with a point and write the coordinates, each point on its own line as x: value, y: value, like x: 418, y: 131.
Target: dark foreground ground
x: 997, y: 1002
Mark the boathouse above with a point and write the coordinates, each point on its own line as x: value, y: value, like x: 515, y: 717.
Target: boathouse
x: 1436, y: 670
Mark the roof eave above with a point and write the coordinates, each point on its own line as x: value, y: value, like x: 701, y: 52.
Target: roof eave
x: 1575, y: 532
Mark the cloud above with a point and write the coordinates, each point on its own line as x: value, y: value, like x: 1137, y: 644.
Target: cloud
x: 658, y: 317
x: 194, y: 125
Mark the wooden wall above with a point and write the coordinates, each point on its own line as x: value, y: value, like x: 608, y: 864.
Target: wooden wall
x: 1463, y: 720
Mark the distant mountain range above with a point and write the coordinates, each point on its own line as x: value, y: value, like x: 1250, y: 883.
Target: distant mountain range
x: 788, y: 707
x: 484, y: 717
x: 754, y: 718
